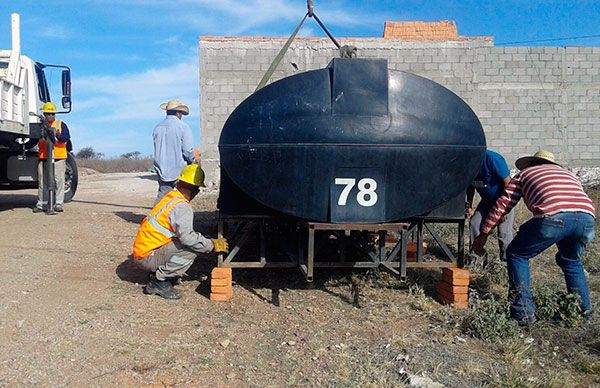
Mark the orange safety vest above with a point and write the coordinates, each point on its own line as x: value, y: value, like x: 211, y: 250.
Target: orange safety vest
x: 156, y: 230
x: 60, y: 148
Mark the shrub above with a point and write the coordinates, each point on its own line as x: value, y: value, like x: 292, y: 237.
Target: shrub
x: 88, y: 153
x: 132, y: 155
x: 554, y: 304
x: 489, y: 320
x: 116, y: 165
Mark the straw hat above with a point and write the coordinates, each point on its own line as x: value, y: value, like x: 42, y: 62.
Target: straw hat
x: 175, y: 105
x: 526, y: 161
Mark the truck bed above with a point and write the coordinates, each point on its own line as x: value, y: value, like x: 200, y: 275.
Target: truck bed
x: 13, y: 106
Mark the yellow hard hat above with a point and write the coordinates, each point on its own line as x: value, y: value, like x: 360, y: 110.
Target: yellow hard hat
x: 49, y: 108
x: 192, y: 174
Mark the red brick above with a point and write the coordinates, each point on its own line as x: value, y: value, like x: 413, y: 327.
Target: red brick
x: 220, y: 282
x: 411, y: 251
x: 455, y: 282
x: 450, y: 297
x: 456, y: 305
x: 221, y: 297
x: 456, y: 273
x: 453, y: 289
x: 220, y: 273
x: 221, y: 289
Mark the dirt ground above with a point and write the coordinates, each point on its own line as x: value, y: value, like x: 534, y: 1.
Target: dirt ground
x: 72, y: 313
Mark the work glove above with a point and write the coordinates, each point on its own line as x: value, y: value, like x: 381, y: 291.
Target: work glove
x: 220, y: 245
x: 469, y: 212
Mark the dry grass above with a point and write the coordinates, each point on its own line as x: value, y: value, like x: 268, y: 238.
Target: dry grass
x: 116, y: 164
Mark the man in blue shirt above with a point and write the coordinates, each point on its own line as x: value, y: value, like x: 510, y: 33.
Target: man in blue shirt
x: 490, y: 182
x: 173, y: 146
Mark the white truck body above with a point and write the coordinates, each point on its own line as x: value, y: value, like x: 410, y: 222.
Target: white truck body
x: 15, y: 104
x: 23, y: 92
x: 18, y: 80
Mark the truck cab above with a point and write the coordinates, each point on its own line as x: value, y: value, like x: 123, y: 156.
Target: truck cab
x: 23, y: 91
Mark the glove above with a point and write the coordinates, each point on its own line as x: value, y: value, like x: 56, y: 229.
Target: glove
x: 469, y: 212
x: 220, y: 245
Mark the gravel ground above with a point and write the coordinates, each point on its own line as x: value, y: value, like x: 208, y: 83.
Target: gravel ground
x: 72, y: 312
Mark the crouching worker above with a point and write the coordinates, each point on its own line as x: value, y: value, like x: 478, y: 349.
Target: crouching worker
x: 166, y: 243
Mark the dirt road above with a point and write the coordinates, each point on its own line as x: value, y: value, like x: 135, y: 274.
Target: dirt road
x: 72, y: 312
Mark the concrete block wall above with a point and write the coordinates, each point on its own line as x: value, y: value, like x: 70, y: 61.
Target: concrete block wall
x: 527, y: 98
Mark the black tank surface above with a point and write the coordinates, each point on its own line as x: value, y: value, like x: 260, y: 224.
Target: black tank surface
x: 350, y: 143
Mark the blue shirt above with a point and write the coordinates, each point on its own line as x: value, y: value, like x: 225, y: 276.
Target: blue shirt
x: 65, y: 136
x: 173, y: 148
x: 491, y: 177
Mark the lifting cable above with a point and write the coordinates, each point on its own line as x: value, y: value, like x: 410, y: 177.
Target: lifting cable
x: 345, y: 51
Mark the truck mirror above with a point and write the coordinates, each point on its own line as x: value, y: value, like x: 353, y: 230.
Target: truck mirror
x: 66, y: 102
x: 66, y: 84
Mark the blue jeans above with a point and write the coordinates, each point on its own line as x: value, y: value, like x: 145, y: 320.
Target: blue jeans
x: 570, y: 232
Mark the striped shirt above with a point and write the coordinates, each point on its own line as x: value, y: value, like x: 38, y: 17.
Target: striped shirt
x: 547, y: 190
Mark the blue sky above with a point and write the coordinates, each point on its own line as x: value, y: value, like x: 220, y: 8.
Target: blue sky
x: 128, y: 56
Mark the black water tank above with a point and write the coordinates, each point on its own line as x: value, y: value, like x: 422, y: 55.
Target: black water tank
x: 353, y: 142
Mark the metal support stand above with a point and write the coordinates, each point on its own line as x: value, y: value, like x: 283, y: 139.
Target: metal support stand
x: 264, y: 242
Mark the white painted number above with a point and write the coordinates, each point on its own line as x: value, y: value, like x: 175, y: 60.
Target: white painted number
x: 349, y: 182
x: 366, y: 189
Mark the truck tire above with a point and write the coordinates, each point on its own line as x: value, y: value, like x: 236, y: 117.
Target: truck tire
x: 71, y: 178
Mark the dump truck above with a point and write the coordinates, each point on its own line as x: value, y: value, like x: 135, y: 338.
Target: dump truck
x: 24, y: 89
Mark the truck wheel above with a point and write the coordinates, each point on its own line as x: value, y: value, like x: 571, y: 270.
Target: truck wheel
x: 71, y: 178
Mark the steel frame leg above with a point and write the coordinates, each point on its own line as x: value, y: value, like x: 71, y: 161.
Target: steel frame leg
x: 310, y: 262
x: 220, y: 228
x: 461, y: 244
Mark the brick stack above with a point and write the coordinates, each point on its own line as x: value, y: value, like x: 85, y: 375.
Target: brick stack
x: 221, y: 289
x: 453, y: 288
x: 421, y: 31
x: 411, y: 251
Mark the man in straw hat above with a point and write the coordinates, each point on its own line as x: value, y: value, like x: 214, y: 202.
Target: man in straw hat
x: 563, y: 214
x: 173, y: 146
x: 167, y: 243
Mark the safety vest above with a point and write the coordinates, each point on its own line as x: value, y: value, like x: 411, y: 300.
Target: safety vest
x: 60, y: 148
x: 156, y: 230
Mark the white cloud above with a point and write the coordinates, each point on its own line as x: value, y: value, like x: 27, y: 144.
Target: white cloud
x: 238, y: 17
x: 306, y: 31
x: 137, y: 95
x: 116, y: 113
x: 52, y: 31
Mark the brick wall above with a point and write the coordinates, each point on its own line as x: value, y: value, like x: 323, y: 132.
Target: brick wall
x: 411, y: 31
x: 527, y: 98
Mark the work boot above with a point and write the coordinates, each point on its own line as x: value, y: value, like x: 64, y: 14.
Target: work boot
x: 162, y: 288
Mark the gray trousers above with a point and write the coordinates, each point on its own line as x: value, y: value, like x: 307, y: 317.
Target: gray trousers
x: 164, y: 188
x: 505, y: 229
x: 169, y: 261
x: 59, y: 177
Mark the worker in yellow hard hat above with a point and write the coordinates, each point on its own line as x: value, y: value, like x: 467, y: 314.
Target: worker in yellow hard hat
x: 166, y: 243
x: 61, y: 151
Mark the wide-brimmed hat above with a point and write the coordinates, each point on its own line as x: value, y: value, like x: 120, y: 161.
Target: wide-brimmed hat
x: 175, y: 105
x: 526, y: 161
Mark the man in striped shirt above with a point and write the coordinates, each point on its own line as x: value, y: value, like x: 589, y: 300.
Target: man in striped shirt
x: 562, y: 214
